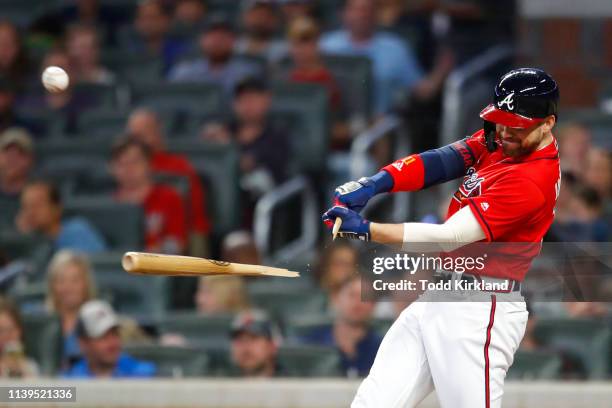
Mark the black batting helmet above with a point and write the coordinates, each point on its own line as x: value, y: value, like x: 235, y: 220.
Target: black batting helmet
x: 523, y: 97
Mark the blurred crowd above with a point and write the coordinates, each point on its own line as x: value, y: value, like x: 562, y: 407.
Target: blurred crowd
x: 245, y: 48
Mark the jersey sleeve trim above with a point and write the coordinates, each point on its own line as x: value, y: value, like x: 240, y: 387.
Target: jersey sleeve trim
x: 481, y: 220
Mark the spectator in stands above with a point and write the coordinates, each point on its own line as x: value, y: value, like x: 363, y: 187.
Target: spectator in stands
x: 13, y: 361
x: 473, y: 26
x: 16, y: 163
x: 583, y: 221
x: 308, y: 62
x: 98, y: 332
x: 394, y: 65
x: 263, y: 145
x: 70, y: 284
x: 337, y: 263
x: 152, y: 25
x: 8, y: 115
x: 104, y: 17
x: 13, y: 56
x: 350, y: 333
x: 253, y: 345
x: 412, y: 23
x: 41, y: 212
x: 598, y: 172
x: 530, y: 341
x: 165, y: 223
x: 144, y: 125
x: 217, y: 64
x: 293, y: 9
x: 83, y: 49
x: 586, y: 309
x: 239, y: 247
x: 309, y: 67
x: 221, y: 294
x: 574, y: 145
x: 261, y: 23
x: 189, y: 13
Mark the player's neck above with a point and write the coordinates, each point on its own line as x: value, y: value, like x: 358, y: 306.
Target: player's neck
x: 546, y: 141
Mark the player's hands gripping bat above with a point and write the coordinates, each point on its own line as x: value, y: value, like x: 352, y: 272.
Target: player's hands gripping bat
x: 353, y: 226
x: 355, y: 194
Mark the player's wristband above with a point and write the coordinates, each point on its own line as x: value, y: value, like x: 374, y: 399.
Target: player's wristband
x: 382, y: 182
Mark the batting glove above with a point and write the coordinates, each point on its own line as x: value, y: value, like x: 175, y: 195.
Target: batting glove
x: 356, y: 194
x: 354, y: 226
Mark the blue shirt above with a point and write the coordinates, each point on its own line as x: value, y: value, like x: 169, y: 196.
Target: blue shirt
x: 393, y: 63
x: 365, y: 352
x: 126, y: 367
x: 78, y: 234
x: 199, y: 70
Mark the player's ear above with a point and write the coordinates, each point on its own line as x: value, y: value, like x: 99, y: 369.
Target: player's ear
x: 549, y: 123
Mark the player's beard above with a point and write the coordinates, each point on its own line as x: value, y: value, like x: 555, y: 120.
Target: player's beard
x: 516, y: 148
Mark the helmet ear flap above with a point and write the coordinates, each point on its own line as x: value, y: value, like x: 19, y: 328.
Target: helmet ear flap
x: 489, y: 135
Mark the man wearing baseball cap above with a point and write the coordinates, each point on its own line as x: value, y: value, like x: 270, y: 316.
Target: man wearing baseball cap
x: 217, y: 63
x: 16, y: 163
x: 98, y: 332
x: 253, y: 348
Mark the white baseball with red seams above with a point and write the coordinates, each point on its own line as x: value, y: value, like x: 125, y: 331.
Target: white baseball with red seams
x: 55, y: 79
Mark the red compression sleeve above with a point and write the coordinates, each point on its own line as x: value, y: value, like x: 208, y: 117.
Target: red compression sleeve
x: 408, y: 173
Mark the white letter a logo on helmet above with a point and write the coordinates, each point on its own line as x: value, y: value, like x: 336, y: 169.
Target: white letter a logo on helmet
x: 508, y: 101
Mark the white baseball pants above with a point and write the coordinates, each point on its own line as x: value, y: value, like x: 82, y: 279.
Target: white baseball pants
x: 462, y: 349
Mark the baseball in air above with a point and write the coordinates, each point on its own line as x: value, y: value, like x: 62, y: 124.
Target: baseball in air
x: 55, y: 79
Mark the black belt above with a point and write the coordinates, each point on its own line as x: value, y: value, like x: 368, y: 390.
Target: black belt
x: 445, y: 276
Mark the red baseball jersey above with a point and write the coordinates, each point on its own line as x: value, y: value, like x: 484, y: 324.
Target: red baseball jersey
x: 165, y: 225
x: 512, y: 199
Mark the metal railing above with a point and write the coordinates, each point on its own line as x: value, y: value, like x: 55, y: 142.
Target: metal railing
x: 264, y: 211
x: 390, y: 127
x: 454, y: 88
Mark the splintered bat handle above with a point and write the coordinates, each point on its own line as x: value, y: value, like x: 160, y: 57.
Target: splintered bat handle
x: 337, y: 225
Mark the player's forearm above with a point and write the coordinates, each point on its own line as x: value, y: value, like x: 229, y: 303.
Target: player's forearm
x: 387, y: 233
x: 461, y: 229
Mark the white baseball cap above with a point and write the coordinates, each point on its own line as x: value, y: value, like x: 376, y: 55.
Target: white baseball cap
x: 96, y: 317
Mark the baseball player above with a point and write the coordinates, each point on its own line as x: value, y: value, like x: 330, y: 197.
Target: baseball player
x: 511, y: 181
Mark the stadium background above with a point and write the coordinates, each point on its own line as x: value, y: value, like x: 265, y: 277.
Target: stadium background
x: 263, y: 198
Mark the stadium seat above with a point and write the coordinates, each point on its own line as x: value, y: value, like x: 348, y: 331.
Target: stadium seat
x: 309, y: 361
x: 24, y: 12
x: 217, y: 166
x: 33, y: 249
x: 122, y: 225
x: 30, y: 297
x: 198, y: 329
x: 132, y: 67
x: 584, y: 343
x: 302, y: 325
x: 175, y: 362
x: 8, y: 209
x: 180, y: 98
x: 354, y: 76
x: 311, y: 105
x: 535, y: 365
x: 285, y: 306
x: 43, y: 341
x: 110, y: 124
x: 103, y: 96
